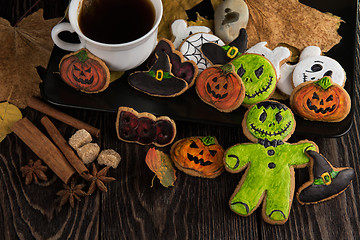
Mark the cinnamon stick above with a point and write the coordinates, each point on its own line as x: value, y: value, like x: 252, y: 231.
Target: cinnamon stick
x: 64, y: 147
x: 63, y: 117
x: 43, y: 148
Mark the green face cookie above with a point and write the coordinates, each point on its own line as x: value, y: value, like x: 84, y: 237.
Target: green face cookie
x: 258, y: 75
x: 270, y: 120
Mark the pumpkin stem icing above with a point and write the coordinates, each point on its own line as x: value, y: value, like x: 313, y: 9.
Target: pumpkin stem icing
x: 324, y: 82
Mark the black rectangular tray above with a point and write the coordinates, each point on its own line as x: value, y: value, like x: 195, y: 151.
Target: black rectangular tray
x: 188, y: 106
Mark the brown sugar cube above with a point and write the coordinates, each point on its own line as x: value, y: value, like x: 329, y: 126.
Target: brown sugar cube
x: 109, y: 158
x: 79, y: 139
x: 89, y: 152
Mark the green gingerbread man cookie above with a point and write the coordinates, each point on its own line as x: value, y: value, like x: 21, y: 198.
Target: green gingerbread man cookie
x: 269, y: 162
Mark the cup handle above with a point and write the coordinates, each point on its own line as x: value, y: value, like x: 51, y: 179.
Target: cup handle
x: 61, y: 27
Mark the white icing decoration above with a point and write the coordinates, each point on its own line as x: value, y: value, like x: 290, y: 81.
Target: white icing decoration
x: 284, y: 83
x: 312, y: 66
x: 190, y: 48
x: 275, y: 56
x: 181, y: 30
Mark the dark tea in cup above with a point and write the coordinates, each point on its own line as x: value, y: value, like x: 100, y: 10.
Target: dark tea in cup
x: 116, y: 21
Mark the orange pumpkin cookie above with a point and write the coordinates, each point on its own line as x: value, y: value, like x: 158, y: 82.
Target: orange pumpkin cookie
x: 198, y: 156
x: 84, y: 72
x: 321, y: 100
x: 220, y: 87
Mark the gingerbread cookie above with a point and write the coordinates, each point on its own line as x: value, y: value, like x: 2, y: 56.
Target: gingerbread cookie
x: 258, y: 75
x: 158, y: 81
x: 216, y: 54
x: 321, y: 100
x: 191, y: 46
x: 269, y: 162
x: 144, y: 128
x: 198, y: 156
x: 181, y: 31
x: 84, y: 72
x: 311, y: 67
x: 220, y: 87
x: 180, y: 68
x: 326, y: 182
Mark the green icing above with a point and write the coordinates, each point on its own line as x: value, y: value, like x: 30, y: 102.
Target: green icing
x: 82, y: 55
x: 320, y: 181
x: 166, y: 74
x: 258, y: 75
x: 269, y: 122
x: 268, y: 176
x: 324, y: 83
x: 207, y: 141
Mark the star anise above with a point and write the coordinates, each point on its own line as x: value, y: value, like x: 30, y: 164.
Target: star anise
x: 33, y: 171
x: 98, y: 179
x: 70, y: 193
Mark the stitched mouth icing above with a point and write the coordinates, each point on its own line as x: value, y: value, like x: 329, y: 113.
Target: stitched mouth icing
x: 319, y: 110
x: 261, y: 91
x: 215, y: 95
x: 198, y: 160
x: 259, y: 130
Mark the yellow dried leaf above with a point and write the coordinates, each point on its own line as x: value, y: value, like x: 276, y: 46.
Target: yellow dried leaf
x: 201, y: 21
x: 172, y: 11
x: 160, y: 163
x: 9, y: 114
x: 23, y: 48
x: 292, y: 23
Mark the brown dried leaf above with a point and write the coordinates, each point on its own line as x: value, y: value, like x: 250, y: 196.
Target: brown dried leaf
x: 292, y: 23
x: 161, y: 165
x: 23, y: 48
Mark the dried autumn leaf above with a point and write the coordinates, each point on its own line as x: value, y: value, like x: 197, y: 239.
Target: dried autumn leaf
x: 292, y: 23
x: 161, y: 165
x: 9, y: 114
x: 23, y: 48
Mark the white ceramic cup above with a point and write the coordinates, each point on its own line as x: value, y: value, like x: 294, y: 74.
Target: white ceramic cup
x: 118, y: 57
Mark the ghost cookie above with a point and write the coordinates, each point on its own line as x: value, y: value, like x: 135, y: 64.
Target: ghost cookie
x: 258, y: 75
x: 180, y: 68
x: 230, y: 16
x: 269, y: 162
x: 181, y: 31
x: 216, y: 54
x: 144, y: 128
x: 220, y: 87
x: 311, y: 67
x: 191, y: 46
x: 158, y: 81
x: 326, y: 182
x: 198, y: 156
x: 321, y: 100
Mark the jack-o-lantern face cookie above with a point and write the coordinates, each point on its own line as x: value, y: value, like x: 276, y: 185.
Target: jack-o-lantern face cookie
x: 269, y: 162
x: 198, y: 156
x: 220, y: 87
x: 84, y: 72
x: 258, y: 75
x: 321, y: 100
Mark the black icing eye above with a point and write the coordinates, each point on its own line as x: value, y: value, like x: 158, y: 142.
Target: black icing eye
x: 194, y: 145
x: 76, y: 68
x: 259, y: 71
x: 263, y: 116
x: 315, y: 96
x: 88, y: 70
x: 225, y: 86
x: 215, y: 79
x: 241, y: 71
x: 316, y: 67
x: 213, y: 152
x: 278, y: 117
x: 330, y: 98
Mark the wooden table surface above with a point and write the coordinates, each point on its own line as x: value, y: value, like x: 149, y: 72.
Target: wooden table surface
x: 194, y: 208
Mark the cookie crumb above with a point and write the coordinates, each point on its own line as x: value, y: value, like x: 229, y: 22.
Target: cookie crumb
x: 109, y: 157
x: 79, y: 139
x: 89, y: 152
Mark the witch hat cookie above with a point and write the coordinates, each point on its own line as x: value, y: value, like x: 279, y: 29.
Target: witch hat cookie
x: 217, y: 54
x: 158, y: 81
x: 326, y: 182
